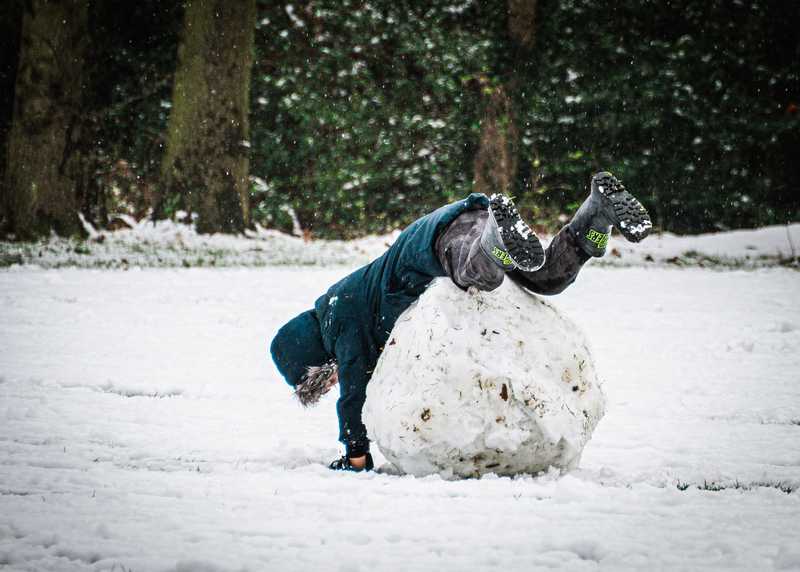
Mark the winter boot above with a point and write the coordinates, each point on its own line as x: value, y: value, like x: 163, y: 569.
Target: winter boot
x: 507, y: 240
x: 609, y: 204
x: 343, y: 464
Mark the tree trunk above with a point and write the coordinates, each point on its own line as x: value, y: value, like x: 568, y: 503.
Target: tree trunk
x: 522, y: 22
x: 497, y: 159
x: 207, y: 156
x: 42, y: 154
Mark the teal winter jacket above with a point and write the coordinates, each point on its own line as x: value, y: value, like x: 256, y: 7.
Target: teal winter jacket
x: 357, y: 314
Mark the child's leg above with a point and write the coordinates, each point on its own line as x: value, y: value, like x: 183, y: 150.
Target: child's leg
x: 480, y: 246
x: 608, y: 205
x: 459, y: 251
x: 563, y: 260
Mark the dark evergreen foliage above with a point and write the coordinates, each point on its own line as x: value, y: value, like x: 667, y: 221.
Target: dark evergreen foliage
x: 367, y: 114
x: 133, y: 47
x: 693, y: 103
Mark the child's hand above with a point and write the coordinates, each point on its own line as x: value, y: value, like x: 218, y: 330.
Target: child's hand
x: 355, y: 464
x: 358, y: 462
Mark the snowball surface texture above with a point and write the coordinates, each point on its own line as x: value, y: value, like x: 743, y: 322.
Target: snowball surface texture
x: 488, y: 382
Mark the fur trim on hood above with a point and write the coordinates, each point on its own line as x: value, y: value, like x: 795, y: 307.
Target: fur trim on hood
x: 317, y: 381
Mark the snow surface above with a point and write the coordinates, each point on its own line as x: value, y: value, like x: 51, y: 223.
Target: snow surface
x: 167, y: 244
x: 142, y: 428
x: 738, y: 248
x: 486, y: 382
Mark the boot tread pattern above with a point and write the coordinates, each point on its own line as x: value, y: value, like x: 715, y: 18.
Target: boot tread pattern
x: 519, y: 239
x: 633, y: 221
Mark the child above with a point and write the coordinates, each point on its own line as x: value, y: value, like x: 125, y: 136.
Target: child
x: 475, y: 242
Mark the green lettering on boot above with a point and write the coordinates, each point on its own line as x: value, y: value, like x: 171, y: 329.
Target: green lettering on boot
x: 599, y: 239
x: 502, y: 256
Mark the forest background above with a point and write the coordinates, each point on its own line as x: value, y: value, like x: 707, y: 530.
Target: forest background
x: 338, y: 118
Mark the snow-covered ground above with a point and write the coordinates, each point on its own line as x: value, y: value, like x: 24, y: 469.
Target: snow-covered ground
x: 170, y: 245
x: 142, y: 427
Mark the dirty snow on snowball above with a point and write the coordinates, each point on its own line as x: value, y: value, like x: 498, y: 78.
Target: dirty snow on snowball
x: 144, y: 428
x: 487, y: 382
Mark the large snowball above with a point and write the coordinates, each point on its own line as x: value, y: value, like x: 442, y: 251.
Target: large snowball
x: 497, y: 382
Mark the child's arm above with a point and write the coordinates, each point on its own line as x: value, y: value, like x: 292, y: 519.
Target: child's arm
x: 356, y: 362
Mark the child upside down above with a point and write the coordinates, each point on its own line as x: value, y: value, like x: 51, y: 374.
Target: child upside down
x: 475, y: 242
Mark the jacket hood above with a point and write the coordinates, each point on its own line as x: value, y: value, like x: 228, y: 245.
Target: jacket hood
x: 298, y: 346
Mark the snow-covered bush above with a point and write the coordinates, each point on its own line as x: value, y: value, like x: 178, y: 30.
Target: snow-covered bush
x: 470, y: 384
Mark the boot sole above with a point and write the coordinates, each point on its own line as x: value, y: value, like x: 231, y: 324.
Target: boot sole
x: 521, y: 242
x: 632, y: 219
